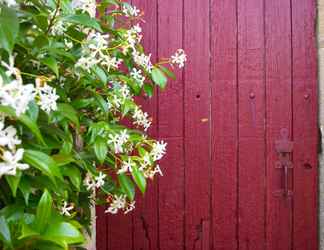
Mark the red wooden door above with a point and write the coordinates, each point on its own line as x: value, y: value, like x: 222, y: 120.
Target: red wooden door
x: 251, y: 75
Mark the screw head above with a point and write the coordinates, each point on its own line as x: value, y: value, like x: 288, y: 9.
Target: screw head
x: 252, y: 95
x: 306, y: 96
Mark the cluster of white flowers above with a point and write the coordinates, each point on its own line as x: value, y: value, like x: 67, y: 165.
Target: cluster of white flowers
x: 133, y: 36
x: 86, y: 6
x: 94, y: 52
x: 66, y: 209
x: 91, y: 183
x: 158, y: 150
x: 9, y: 3
x: 119, y: 202
x: 58, y: 28
x: 126, y: 166
x: 117, y: 141
x: 9, y: 154
x: 137, y: 75
x: 18, y: 95
x: 15, y: 94
x: 130, y: 11
x: 179, y: 58
x: 143, y: 60
x: 47, y: 96
x: 141, y: 119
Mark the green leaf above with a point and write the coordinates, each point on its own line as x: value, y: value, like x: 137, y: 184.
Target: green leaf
x: 168, y: 72
x: 101, y: 74
x: 127, y: 186
x: 43, y: 212
x: 85, y: 20
x: 159, y: 78
x: 68, y: 112
x: 42, y: 162
x: 101, y: 149
x: 13, y: 182
x: 27, y: 231
x: 24, y: 119
x: 101, y: 102
x: 25, y: 188
x: 5, y: 234
x: 65, y: 232
x: 9, y: 27
x: 148, y: 90
x: 63, y: 159
x: 33, y: 111
x: 52, y: 64
x: 139, y: 179
x: 73, y: 173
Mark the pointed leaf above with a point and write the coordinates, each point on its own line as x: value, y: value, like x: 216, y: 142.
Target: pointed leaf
x: 127, y: 185
x: 13, y: 182
x: 139, y: 179
x: 43, y: 212
x: 5, y: 234
x: 159, y: 78
x: 101, y: 149
x: 9, y: 27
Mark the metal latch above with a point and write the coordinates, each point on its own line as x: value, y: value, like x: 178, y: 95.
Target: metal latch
x: 284, y: 148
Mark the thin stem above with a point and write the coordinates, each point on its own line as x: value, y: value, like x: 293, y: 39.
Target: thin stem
x: 58, y: 4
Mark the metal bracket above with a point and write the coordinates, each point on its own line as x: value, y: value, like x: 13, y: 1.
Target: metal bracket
x: 284, y: 148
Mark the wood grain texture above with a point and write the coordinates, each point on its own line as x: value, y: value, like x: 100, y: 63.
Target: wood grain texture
x: 197, y: 124
x: 305, y: 125
x: 224, y: 140
x: 170, y: 126
x: 101, y: 229
x: 251, y: 115
x: 145, y: 216
x: 279, y: 115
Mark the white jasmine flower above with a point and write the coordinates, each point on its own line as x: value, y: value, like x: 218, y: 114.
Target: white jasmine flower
x: 47, y: 97
x: 125, y: 92
x: 89, y: 182
x: 100, y: 180
x: 137, y: 75
x: 118, y: 140
x: 118, y: 202
x: 158, y: 150
x: 127, y: 166
x: 179, y: 58
x: 9, y: 3
x: 88, y: 6
x: 86, y: 63
x: 110, y: 62
x: 141, y: 119
x: 130, y: 207
x: 8, y: 136
x: 143, y: 60
x: 58, y: 28
x: 11, y: 163
x: 17, y: 95
x: 65, y: 209
x: 97, y: 42
x: 10, y: 66
x: 130, y: 11
x: 68, y: 44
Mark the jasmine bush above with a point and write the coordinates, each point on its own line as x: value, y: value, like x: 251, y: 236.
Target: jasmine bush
x: 71, y: 133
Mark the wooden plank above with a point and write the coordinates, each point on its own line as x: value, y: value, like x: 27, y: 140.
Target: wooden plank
x: 278, y: 98
x: 119, y: 232
x: 197, y: 124
x: 170, y: 127
x: 251, y: 115
x: 224, y: 124
x: 145, y: 216
x: 305, y: 236
x: 101, y: 228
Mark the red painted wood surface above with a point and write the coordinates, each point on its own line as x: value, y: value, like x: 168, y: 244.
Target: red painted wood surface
x: 224, y: 113
x: 304, y: 76
x: 251, y: 71
x: 279, y: 98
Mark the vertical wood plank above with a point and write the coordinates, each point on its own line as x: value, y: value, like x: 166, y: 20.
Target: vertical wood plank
x: 251, y: 115
x: 101, y: 229
x: 197, y: 124
x: 224, y: 139
x: 170, y: 127
x: 278, y: 99
x: 305, y: 101
x: 145, y: 216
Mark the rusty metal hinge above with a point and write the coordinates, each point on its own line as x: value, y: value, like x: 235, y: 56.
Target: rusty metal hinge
x: 284, y: 148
